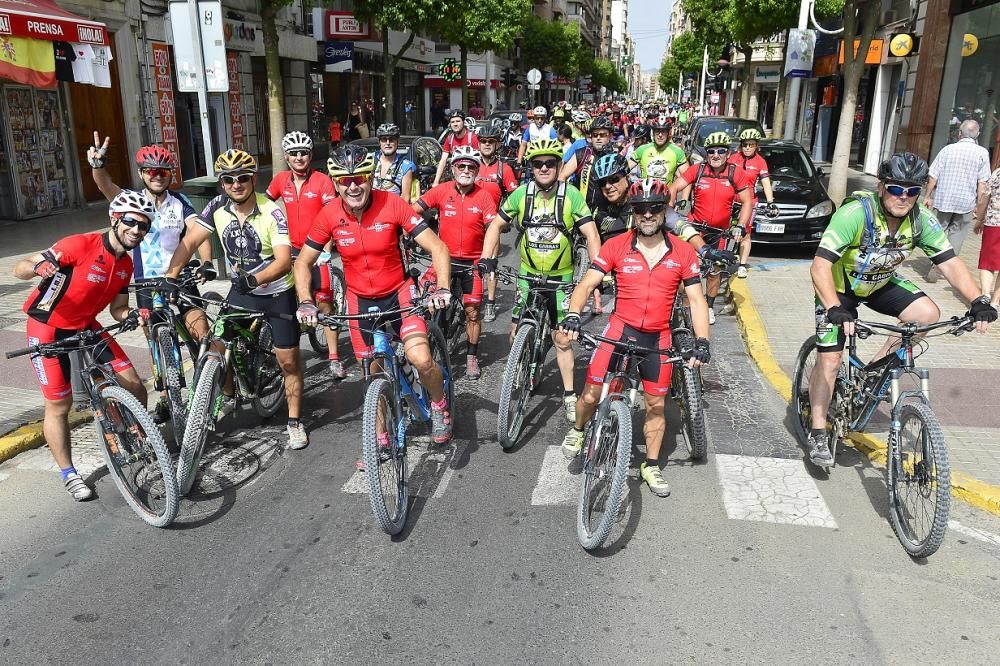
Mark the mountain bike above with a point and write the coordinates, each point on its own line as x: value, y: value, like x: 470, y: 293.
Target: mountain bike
x: 686, y: 384
x: 721, y: 239
x: 451, y: 321
x: 134, y: 450
x: 607, y: 447
x: 394, y: 399
x: 317, y: 338
x: 918, y: 475
x: 247, y: 351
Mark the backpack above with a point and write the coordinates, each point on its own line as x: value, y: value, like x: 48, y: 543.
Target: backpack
x: 868, y: 235
x: 529, y: 207
x: 730, y: 174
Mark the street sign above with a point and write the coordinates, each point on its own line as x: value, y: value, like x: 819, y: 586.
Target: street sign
x: 799, y: 58
x: 534, y: 86
x: 533, y: 76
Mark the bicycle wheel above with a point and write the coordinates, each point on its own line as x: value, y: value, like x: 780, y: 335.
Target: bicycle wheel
x: 919, y: 482
x: 687, y: 388
x: 270, y: 390
x: 581, y: 261
x: 385, y: 463
x: 170, y: 365
x: 200, y: 418
x: 515, y: 387
x: 439, y: 352
x: 317, y: 340
x: 608, y: 452
x: 137, y: 458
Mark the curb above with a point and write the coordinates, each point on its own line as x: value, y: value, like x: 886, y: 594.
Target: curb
x: 30, y: 435
x: 966, y: 488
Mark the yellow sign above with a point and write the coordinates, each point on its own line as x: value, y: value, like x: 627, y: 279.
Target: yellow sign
x: 901, y: 45
x: 970, y: 44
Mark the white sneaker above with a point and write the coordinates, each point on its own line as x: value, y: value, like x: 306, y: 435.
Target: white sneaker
x: 711, y: 316
x: 572, y: 443
x: 297, y: 437
x: 743, y: 271
x: 569, y: 402
x: 78, y: 488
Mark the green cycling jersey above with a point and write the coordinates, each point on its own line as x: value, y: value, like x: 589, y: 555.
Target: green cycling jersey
x: 658, y: 163
x: 546, y: 243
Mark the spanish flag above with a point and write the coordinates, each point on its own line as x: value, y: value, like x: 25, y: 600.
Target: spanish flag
x: 28, y: 61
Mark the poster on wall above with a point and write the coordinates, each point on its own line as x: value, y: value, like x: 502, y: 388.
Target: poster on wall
x: 164, y: 85
x: 235, y: 100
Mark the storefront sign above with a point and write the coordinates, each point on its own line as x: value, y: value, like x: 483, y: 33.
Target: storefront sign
x: 799, y: 53
x: 235, y: 99
x: 767, y: 75
x: 344, y: 25
x: 244, y: 36
x: 874, y: 55
x: 825, y: 66
x: 970, y: 44
x: 165, y: 101
x: 902, y: 45
x: 473, y: 84
x: 41, y: 19
x: 339, y: 56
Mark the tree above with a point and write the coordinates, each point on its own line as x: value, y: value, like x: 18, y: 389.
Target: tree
x: 550, y: 45
x: 275, y: 86
x: 687, y: 50
x: 669, y: 71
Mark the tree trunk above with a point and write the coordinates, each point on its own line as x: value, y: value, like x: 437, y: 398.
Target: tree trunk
x: 275, y: 87
x: 853, y: 69
x: 389, y: 68
x: 778, y: 126
x: 747, y: 51
x: 464, y: 51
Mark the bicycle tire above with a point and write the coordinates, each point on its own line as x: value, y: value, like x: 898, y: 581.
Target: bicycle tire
x: 317, y: 340
x: 689, y: 399
x: 581, y: 261
x: 385, y: 469
x: 198, y: 422
x: 172, y: 373
x: 439, y: 352
x: 616, y: 450
x: 802, y: 423
x: 931, y: 480
x: 516, y: 372
x: 132, y: 414
x: 269, y: 393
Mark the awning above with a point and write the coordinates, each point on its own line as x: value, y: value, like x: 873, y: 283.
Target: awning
x: 44, y: 19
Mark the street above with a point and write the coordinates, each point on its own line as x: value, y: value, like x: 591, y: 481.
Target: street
x: 754, y: 557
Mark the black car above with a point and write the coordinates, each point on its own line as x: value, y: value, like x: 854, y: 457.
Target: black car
x: 803, y: 201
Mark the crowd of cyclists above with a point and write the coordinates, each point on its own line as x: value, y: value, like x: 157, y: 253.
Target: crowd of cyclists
x: 604, y: 203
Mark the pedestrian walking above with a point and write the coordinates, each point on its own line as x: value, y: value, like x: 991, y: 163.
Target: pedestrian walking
x: 988, y: 224
x: 957, y: 182
x: 357, y: 129
x: 336, y: 133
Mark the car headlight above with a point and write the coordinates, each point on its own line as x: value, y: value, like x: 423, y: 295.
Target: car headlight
x: 820, y: 210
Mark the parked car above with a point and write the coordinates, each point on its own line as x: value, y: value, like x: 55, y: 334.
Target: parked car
x: 424, y: 151
x: 694, y: 143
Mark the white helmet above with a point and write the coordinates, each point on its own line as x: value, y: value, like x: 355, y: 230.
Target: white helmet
x: 131, y: 201
x: 465, y: 154
x: 296, y: 141
x: 540, y: 111
x: 580, y: 117
x: 470, y: 123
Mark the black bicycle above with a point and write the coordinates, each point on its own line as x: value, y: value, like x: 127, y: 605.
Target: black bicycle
x: 918, y: 475
x: 134, y: 450
x: 687, y: 384
x: 451, y: 320
x: 317, y: 337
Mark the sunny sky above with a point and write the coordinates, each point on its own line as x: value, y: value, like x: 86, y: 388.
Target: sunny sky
x: 647, y: 21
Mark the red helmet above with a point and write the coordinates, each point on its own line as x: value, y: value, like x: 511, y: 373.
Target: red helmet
x: 649, y: 190
x: 152, y: 157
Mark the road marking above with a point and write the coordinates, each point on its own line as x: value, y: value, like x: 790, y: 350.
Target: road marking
x: 975, y: 533
x: 434, y: 465
x: 773, y: 490
x: 556, y: 484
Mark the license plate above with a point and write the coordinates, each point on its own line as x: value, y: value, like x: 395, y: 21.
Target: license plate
x: 765, y: 228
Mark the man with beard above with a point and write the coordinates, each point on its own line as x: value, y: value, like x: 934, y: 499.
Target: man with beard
x: 393, y: 172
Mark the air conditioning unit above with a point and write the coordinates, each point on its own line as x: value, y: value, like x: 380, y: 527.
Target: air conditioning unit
x: 889, y: 16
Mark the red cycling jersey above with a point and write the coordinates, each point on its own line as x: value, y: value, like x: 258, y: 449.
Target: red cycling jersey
x: 754, y: 167
x: 498, y: 178
x: 90, y: 276
x: 467, y: 139
x: 645, y: 296
x: 369, y: 245
x: 302, y: 205
x: 463, y: 217
x: 713, y: 193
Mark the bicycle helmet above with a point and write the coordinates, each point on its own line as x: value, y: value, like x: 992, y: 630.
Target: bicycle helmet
x: 649, y: 190
x: 750, y: 134
x: 601, y: 122
x: 235, y: 161
x: 540, y: 111
x: 718, y: 140
x: 131, y: 201
x: 579, y: 116
x: 660, y: 123
x: 904, y: 168
x: 155, y: 157
x: 610, y: 165
x: 456, y: 113
x: 641, y: 132
x: 470, y: 123
x: 387, y: 130
x: 465, y: 154
x: 542, y: 148
x: 490, y: 132
x: 296, y: 141
x: 559, y: 112
x: 349, y: 161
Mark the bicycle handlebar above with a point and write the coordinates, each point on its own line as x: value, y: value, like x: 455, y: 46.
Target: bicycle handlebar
x: 509, y: 275
x: 334, y: 319
x: 591, y: 340
x: 79, y: 341
x: 865, y: 328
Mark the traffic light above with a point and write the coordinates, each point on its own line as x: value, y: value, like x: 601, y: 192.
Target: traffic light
x: 508, y: 77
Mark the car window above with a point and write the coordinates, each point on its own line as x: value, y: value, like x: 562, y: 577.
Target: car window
x: 730, y: 127
x: 788, y: 162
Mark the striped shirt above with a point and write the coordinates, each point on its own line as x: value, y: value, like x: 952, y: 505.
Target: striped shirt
x: 958, y: 169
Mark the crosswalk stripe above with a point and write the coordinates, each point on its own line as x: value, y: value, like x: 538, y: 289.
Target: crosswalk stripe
x: 556, y: 484
x: 429, y: 462
x: 773, y: 490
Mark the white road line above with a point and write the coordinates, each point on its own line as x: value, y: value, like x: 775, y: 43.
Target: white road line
x: 773, y: 490
x: 556, y: 484
x: 975, y: 533
x: 435, y: 464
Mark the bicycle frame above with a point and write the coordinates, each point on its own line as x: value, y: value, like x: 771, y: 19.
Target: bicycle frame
x: 227, y: 330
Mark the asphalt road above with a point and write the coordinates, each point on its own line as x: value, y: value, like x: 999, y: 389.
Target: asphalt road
x: 753, y: 558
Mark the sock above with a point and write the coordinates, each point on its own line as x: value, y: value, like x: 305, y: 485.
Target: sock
x: 577, y: 429
x: 333, y: 356
x: 491, y: 301
x: 66, y: 472
x: 473, y: 349
x: 711, y: 301
x: 569, y: 393
x: 442, y: 405
x: 655, y: 464
x: 293, y: 423
x: 817, y: 432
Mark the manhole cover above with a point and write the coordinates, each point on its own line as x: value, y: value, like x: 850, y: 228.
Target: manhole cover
x: 224, y: 468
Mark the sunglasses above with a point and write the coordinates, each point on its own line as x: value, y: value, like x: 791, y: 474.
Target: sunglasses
x: 643, y: 209
x: 611, y: 180
x: 348, y: 181
x: 156, y: 173
x: 544, y: 164
x: 748, y: 144
x: 900, y: 191
x: 299, y: 153
x: 465, y: 166
x: 141, y: 225
x: 388, y: 139
x: 717, y: 151
x: 242, y: 179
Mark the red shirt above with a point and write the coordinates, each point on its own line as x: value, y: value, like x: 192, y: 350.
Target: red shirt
x: 452, y: 141
x: 301, y: 206
x: 714, y: 193
x: 490, y: 177
x: 369, y: 247
x: 754, y: 167
x: 464, y: 217
x: 645, y: 296
x: 89, y: 278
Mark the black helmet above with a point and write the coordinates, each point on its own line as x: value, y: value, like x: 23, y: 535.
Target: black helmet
x: 455, y: 113
x: 489, y: 132
x: 387, y: 130
x: 601, y: 122
x: 904, y: 168
x: 641, y: 132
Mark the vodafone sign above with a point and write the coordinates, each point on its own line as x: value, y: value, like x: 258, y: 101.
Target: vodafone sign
x: 345, y: 26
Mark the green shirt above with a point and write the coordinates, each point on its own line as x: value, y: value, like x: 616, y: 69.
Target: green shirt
x: 546, y: 245
x: 659, y: 163
x: 865, y: 262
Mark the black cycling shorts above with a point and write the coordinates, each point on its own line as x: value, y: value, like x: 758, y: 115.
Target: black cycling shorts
x: 890, y: 300
x: 285, y: 333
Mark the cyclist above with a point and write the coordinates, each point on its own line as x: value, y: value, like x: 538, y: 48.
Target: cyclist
x: 253, y: 232
x: 304, y: 192
x: 580, y: 120
x: 465, y: 209
x: 80, y: 276
x: 578, y: 165
x: 537, y: 129
x: 867, y: 239
x: 499, y: 179
x: 640, y: 136
x: 713, y: 186
x: 174, y: 216
x: 547, y: 212
x: 366, y: 225
x: 755, y: 167
x: 394, y: 172
x: 459, y: 135
x: 660, y: 159
x: 559, y: 116
x: 649, y: 265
